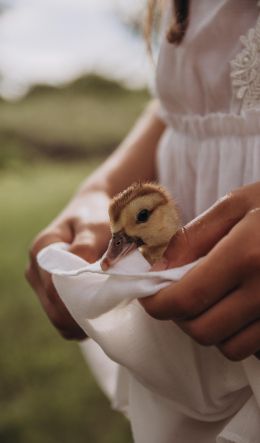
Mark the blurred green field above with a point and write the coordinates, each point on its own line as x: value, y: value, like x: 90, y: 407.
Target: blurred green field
x: 85, y: 118
x: 47, y: 393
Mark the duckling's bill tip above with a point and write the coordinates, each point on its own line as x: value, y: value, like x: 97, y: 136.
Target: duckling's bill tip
x: 104, y: 264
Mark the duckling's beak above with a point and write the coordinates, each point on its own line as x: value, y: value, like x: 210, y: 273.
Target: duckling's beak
x: 119, y: 246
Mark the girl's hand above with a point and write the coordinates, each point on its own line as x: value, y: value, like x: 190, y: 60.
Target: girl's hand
x: 85, y: 225
x: 218, y: 301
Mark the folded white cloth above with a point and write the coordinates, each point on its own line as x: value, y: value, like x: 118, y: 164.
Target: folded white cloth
x: 161, y: 374
x: 96, y: 292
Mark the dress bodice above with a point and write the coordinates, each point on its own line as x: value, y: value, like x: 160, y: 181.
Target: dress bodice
x: 201, y: 75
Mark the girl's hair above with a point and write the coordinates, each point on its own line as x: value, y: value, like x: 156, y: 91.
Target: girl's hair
x: 179, y: 24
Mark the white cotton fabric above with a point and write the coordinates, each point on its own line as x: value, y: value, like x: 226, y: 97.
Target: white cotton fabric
x: 156, y: 382
x: 172, y: 389
x: 97, y: 292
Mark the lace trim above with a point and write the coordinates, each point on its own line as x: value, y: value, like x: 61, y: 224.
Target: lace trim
x: 245, y: 69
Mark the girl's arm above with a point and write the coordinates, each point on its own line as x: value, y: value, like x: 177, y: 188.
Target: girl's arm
x: 84, y: 222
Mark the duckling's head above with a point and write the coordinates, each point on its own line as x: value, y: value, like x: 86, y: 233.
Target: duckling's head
x: 145, y: 216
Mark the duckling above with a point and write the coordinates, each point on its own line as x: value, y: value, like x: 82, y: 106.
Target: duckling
x: 143, y: 216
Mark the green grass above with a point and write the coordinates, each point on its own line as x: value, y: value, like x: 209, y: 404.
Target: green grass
x: 87, y: 117
x: 47, y: 393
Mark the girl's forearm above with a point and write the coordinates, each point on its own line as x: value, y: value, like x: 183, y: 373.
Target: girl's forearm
x: 133, y: 160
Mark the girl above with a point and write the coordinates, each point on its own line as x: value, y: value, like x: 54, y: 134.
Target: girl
x: 202, y: 143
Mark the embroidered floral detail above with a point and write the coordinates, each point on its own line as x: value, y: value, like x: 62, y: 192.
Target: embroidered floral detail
x: 245, y: 69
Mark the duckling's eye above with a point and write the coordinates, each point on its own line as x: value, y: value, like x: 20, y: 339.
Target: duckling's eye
x: 143, y: 216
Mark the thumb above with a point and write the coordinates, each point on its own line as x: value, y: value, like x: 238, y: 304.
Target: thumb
x: 199, y: 236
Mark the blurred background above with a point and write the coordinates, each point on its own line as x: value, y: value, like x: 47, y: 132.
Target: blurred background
x: 74, y: 76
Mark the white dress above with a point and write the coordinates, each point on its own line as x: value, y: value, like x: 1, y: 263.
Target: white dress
x: 172, y: 389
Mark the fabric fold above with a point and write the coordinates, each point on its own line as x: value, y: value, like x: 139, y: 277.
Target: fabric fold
x: 90, y: 292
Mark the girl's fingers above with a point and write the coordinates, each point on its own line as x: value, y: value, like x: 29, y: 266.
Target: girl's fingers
x: 42, y: 284
x: 226, y: 318
x: 243, y: 344
x: 36, y: 275
x: 199, y: 289
x: 215, y: 276
x: 54, y: 307
x: 199, y: 236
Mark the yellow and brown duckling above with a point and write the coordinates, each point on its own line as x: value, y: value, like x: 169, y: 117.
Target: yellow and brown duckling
x: 143, y: 216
